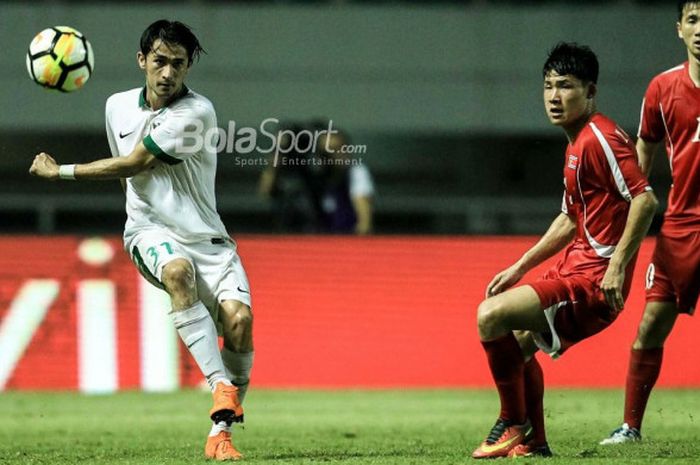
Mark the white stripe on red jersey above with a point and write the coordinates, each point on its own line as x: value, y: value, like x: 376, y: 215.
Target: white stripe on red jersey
x: 671, y: 113
x: 612, y: 161
x: 601, y: 176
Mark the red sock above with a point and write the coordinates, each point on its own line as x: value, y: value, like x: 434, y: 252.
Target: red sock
x: 507, y: 367
x: 534, y: 400
x: 644, y: 368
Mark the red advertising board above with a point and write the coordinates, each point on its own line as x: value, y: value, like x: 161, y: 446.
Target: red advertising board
x: 329, y: 312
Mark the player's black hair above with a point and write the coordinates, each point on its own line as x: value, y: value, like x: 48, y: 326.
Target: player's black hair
x: 681, y: 7
x: 574, y: 59
x: 172, y: 32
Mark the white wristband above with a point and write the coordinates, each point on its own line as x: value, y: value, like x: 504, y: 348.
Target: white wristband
x: 66, y: 172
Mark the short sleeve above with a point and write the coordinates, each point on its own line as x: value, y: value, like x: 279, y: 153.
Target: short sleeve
x: 361, y: 184
x: 635, y: 181
x: 651, y: 125
x: 618, y: 156
x: 179, y: 133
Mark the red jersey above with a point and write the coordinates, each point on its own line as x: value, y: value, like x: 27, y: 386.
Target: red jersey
x: 601, y: 176
x: 671, y: 111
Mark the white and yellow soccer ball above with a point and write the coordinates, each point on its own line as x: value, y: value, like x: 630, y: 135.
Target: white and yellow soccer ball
x: 60, y: 58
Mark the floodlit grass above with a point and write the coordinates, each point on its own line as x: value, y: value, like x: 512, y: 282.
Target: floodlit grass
x: 349, y: 427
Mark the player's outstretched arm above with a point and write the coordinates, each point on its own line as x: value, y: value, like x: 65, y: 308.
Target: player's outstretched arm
x: 641, y: 213
x: 560, y: 233
x: 137, y: 161
x: 646, y: 151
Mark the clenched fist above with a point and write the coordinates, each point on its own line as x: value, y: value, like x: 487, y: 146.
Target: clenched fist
x: 44, y: 166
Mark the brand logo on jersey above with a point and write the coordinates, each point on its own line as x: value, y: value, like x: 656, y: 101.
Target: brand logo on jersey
x: 155, y: 124
x: 573, y: 161
x: 122, y: 135
x: 244, y: 291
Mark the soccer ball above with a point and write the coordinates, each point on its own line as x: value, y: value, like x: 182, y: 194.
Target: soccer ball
x: 60, y: 58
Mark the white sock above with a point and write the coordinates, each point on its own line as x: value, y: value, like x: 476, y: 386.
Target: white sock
x: 238, y: 366
x: 198, y: 332
x: 216, y: 428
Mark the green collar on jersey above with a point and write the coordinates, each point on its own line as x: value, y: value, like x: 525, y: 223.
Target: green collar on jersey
x: 144, y: 103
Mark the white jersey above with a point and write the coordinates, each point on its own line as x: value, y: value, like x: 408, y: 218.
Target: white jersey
x: 361, y: 184
x: 178, y: 194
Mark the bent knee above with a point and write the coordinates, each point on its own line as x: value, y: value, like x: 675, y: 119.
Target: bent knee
x: 488, y: 314
x: 243, y: 317
x: 178, y: 275
x: 238, y: 315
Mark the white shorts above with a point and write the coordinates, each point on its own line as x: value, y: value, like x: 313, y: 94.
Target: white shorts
x: 218, y: 269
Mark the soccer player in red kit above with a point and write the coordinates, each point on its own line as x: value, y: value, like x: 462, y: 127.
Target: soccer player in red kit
x: 670, y: 112
x: 606, y: 211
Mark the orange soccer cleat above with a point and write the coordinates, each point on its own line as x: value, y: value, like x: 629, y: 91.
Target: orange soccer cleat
x: 530, y: 450
x: 226, y: 405
x: 221, y: 448
x: 503, y: 437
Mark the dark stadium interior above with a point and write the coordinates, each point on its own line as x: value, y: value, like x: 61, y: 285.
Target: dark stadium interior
x: 444, y: 95
x: 426, y: 184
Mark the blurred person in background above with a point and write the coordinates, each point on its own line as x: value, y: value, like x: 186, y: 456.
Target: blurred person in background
x: 606, y: 211
x: 319, y: 188
x: 348, y: 189
x: 292, y: 185
x: 173, y: 232
x: 670, y: 113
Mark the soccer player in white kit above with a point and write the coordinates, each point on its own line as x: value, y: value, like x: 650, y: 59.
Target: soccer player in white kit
x: 173, y: 232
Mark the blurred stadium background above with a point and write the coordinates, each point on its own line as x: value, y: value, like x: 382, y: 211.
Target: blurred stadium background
x: 445, y: 95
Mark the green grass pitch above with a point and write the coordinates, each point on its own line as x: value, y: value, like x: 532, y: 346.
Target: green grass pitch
x: 343, y: 427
